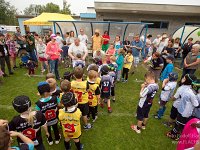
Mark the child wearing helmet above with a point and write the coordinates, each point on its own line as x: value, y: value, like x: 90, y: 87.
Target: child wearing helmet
x: 188, y: 102
x: 48, y: 105
x: 29, y: 122
x: 168, y: 88
x: 69, y: 117
x: 105, y: 86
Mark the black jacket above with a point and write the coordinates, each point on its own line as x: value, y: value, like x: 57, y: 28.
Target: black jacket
x: 2, y: 52
x: 186, y: 49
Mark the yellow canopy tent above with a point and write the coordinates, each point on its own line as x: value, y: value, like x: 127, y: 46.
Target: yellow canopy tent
x: 44, y: 18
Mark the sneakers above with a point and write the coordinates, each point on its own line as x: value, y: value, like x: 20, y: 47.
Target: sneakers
x: 168, y: 124
x: 94, y: 119
x: 87, y: 127
x: 58, y: 141
x: 134, y: 127
x: 49, y: 141
x: 124, y: 81
x: 81, y: 146
x: 156, y: 117
x: 143, y: 127
x: 109, y: 110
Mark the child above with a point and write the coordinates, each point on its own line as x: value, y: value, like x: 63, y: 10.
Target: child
x: 118, y: 44
x: 41, y: 48
x: 31, y: 67
x: 53, y: 87
x: 113, y: 65
x: 48, y: 105
x: 70, y: 120
x: 188, y: 102
x: 79, y: 87
x: 67, y: 76
x: 168, y: 88
x: 50, y: 75
x: 168, y: 69
x: 79, y: 62
x: 6, y: 140
x: 110, y: 52
x: 64, y: 53
x: 104, y: 63
x: 147, y: 93
x: 12, y: 51
x: 93, y: 94
x: 120, y: 62
x: 186, y: 85
x: 65, y: 86
x: 105, y: 86
x: 127, y: 65
x: 28, y: 122
x: 95, y: 68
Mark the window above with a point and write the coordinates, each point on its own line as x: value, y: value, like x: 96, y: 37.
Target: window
x: 192, y: 23
x: 158, y: 24
x: 115, y: 20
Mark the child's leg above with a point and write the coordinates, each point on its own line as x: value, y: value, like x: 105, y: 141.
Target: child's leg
x: 118, y: 75
x: 123, y: 73
x: 78, y: 144
x: 47, y: 66
x: 96, y: 110
x: 67, y: 143
x: 56, y: 132
x: 173, y: 114
x: 144, y: 123
x: 90, y: 112
x: 12, y: 62
x: 93, y: 112
x: 50, y: 139
x: 126, y: 72
x: 113, y: 93
x: 108, y: 104
x: 42, y: 65
x: 29, y: 71
x: 33, y: 71
x: 162, y: 108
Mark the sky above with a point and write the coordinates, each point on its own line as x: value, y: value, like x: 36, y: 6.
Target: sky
x: 77, y: 6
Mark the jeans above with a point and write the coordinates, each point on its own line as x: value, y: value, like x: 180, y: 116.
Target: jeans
x: 54, y: 67
x: 187, y: 71
x: 32, y: 55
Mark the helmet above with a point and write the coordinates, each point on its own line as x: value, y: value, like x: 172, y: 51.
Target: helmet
x: 173, y: 76
x: 105, y: 70
x: 68, y: 99
x: 43, y: 87
x: 21, y: 103
x: 196, y: 85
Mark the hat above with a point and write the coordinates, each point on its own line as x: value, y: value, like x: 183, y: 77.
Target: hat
x: 105, y: 70
x: 170, y: 57
x: 43, y: 87
x: 53, y: 36
x: 173, y: 76
x: 97, y: 31
x: 21, y: 103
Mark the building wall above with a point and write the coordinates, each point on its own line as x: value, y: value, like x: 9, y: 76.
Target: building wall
x: 175, y: 22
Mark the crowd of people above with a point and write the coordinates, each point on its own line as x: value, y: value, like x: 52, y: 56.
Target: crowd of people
x: 66, y: 100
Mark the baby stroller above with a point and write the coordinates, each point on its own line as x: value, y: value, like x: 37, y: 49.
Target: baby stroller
x: 24, y: 58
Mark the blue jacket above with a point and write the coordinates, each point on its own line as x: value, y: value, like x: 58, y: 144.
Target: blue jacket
x: 168, y: 69
x: 120, y: 62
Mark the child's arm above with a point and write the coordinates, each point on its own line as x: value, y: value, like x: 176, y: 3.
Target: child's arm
x: 165, y: 82
x: 21, y: 136
x: 144, y: 90
x: 45, y: 129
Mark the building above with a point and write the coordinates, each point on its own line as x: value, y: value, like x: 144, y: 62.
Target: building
x: 167, y: 16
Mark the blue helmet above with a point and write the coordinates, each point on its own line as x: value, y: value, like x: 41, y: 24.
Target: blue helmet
x: 173, y: 76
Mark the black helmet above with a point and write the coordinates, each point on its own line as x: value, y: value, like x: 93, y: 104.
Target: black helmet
x: 105, y: 70
x: 21, y: 103
x: 196, y: 85
x: 68, y: 99
x: 173, y: 76
x: 43, y: 87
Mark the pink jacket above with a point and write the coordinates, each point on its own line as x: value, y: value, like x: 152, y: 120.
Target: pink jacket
x: 53, y: 50
x: 189, y: 136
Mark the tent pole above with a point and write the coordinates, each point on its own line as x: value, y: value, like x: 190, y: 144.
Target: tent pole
x: 125, y: 32
x: 54, y: 27
x: 108, y: 28
x: 145, y: 37
x: 190, y: 34
x: 75, y: 29
x: 91, y: 27
x: 60, y: 30
x: 182, y: 35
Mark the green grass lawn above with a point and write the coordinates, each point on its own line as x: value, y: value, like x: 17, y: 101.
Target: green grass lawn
x: 110, y: 131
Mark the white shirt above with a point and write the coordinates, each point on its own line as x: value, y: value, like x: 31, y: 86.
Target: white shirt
x: 59, y: 39
x: 161, y: 46
x: 168, y: 91
x: 179, y: 93
x: 99, y: 56
x: 156, y: 42
x: 83, y: 38
x: 81, y: 49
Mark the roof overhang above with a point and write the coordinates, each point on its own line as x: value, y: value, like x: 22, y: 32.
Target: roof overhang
x: 141, y: 8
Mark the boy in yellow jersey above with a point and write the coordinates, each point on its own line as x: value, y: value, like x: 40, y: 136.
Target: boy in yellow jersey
x: 70, y: 120
x: 95, y: 68
x: 93, y: 94
x: 79, y: 87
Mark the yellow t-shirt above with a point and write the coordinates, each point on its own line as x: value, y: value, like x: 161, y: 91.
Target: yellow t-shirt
x: 128, y: 61
x: 80, y: 90
x: 97, y: 42
x: 92, y: 97
x: 70, y: 123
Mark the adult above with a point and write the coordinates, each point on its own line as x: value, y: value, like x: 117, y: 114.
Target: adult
x: 59, y: 40
x: 97, y: 41
x: 147, y: 46
x: 177, y: 47
x: 4, y: 56
x: 162, y: 43
x: 156, y: 41
x: 83, y: 37
x: 106, y: 39
x: 192, y: 60
x: 19, y: 38
x: 30, y: 46
x: 126, y: 44
x: 70, y: 39
x: 186, y: 49
x: 156, y: 64
x: 37, y: 38
x: 168, y: 50
x: 77, y: 48
x: 53, y: 52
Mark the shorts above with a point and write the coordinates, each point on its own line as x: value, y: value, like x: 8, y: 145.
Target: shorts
x: 112, y: 91
x: 84, y: 108
x: 136, y: 60
x: 105, y: 95
x: 42, y: 59
x: 143, y: 112
x: 105, y: 47
x: 174, y: 113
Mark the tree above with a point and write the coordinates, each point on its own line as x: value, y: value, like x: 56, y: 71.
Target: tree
x: 66, y: 9
x: 52, y: 8
x: 7, y: 13
x: 34, y: 10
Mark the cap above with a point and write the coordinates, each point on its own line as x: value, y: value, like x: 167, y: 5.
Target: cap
x: 170, y: 57
x: 53, y: 36
x: 21, y: 103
